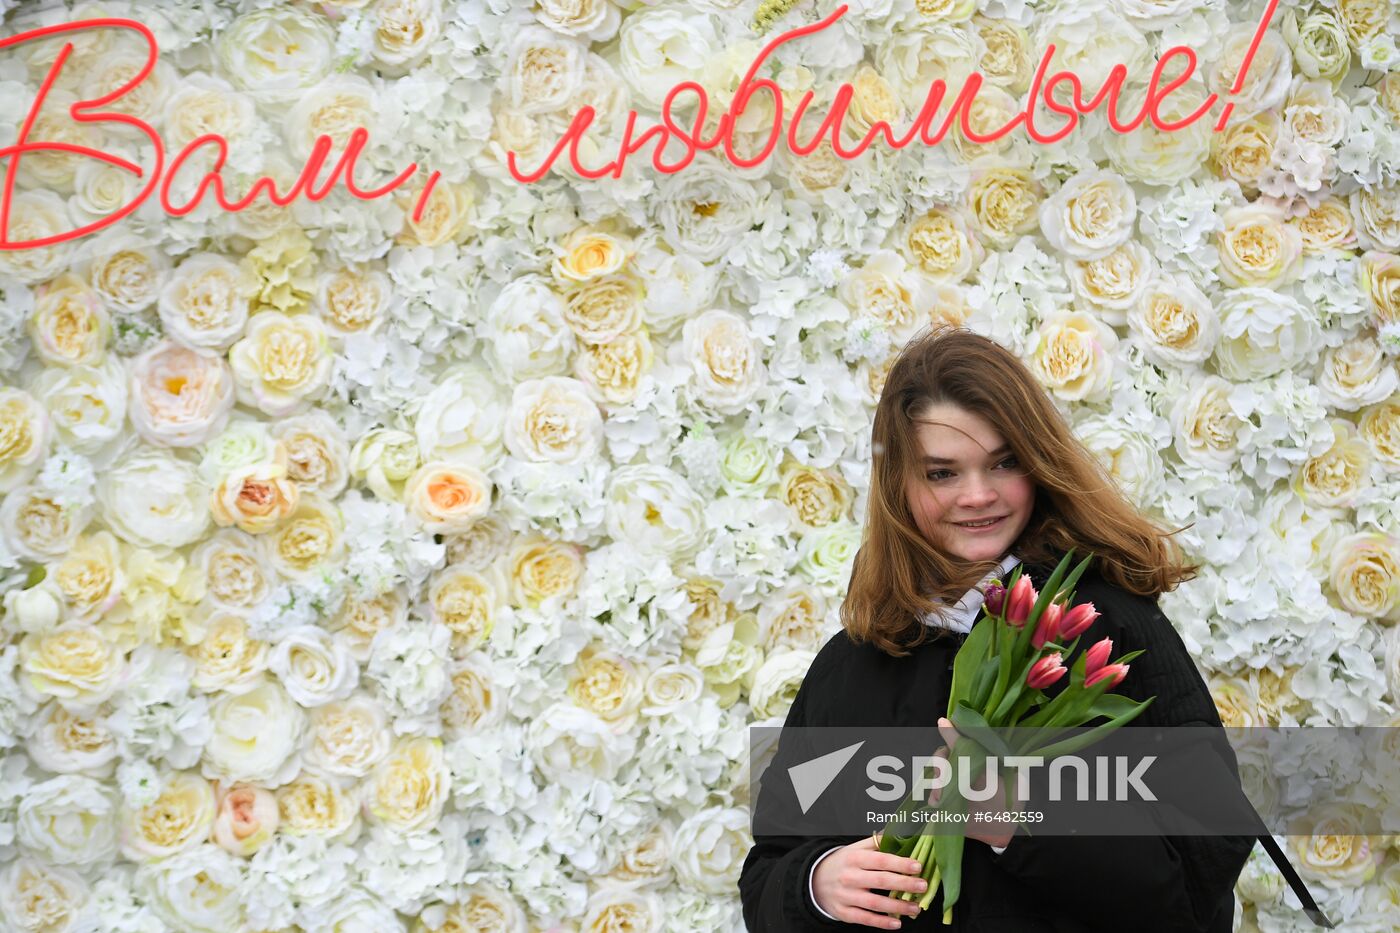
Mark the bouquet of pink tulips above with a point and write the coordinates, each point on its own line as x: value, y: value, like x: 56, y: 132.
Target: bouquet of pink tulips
x: 999, y: 677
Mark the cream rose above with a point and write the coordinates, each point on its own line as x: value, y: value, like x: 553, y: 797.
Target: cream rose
x: 814, y: 497
x: 404, y: 31
x: 1333, y: 478
x: 1244, y: 151
x: 475, y: 703
x: 604, y: 308
x: 1380, y: 426
x: 1007, y: 59
x: 655, y: 510
x: 227, y: 657
x: 316, y: 806
x: 37, y: 525
x: 383, y: 459
x: 525, y: 333
x: 318, y: 456
x: 1365, y: 575
x: 408, y: 788
x: 352, y: 299
x: 89, y: 576
x: 671, y: 687
x: 1356, y: 374
x: 886, y: 290
x: 277, y: 51
x: 590, y: 252
x: 1336, y: 851
x: 43, y: 898
x: 465, y: 601
x: 315, y: 666
x: 941, y: 246
x: 309, y: 539
x: 348, y: 737
x: 282, y: 364
x: 1115, y: 282
x: 1176, y: 322
x: 68, y: 820
x: 24, y: 437
x: 1257, y: 247
x: 36, y: 215
x: 72, y: 743
x: 1376, y: 211
x: 179, y: 819
x: 543, y: 70
x: 256, y: 498
x: 235, y: 574
x: 552, y: 419
x: 256, y: 736
x: 1073, y: 357
x: 1266, y: 81
x: 724, y: 359
x: 539, y: 570
x: 152, y: 499
x: 619, y: 908
x: 74, y: 664
x: 125, y: 271
x: 336, y: 107
x: 607, y: 685
x: 69, y: 326
x: 1091, y: 215
x: 204, y: 304
x: 710, y: 848
x: 794, y: 618
x: 246, y: 819
x: 1363, y: 20
x: 1380, y: 277
x: 86, y: 405
x: 203, y: 104
x: 1005, y: 203
x: 612, y: 372
x: 178, y: 396
x: 776, y: 681
x: 484, y: 908
x: 1326, y: 226
x: 1208, y: 431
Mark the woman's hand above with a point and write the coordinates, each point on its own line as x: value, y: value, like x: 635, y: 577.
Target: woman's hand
x: 845, y: 883
x: 985, y: 821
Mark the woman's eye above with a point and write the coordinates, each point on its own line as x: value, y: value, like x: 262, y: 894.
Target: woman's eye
x: 935, y: 474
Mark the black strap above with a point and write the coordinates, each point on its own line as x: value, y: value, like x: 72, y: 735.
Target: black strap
x: 1290, y: 874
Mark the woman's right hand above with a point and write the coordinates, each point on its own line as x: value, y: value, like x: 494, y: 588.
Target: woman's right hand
x: 846, y: 882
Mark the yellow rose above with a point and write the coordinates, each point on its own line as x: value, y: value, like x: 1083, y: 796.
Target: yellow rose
x: 589, y: 253
x: 74, y: 664
x: 1007, y: 59
x: 69, y: 326
x: 256, y: 497
x: 228, y: 657
x: 310, y: 538
x: 352, y: 299
x: 1333, y: 478
x: 541, y: 569
x: 1325, y: 227
x: 465, y: 601
x: 604, y: 308
x: 1244, y: 150
x: 474, y: 702
x: 361, y: 619
x: 409, y: 787
x: 1006, y: 204
x: 873, y: 101
x: 282, y: 363
x: 1335, y: 850
x: 612, y: 371
x: 940, y: 244
x: 1072, y: 356
x: 707, y: 613
x: 246, y: 819
x: 24, y: 437
x: 448, y: 497
x: 176, y: 821
x: 89, y: 575
x: 447, y: 215
x: 815, y: 497
x: 1257, y: 247
x: 1380, y: 426
x: 1365, y: 575
x: 316, y: 806
x: 608, y: 685
x: 282, y: 268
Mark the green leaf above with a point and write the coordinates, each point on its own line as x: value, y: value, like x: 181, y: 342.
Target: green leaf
x: 1077, y: 742
x: 968, y: 661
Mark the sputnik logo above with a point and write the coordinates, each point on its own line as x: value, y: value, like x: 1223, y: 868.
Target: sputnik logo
x: 811, y: 778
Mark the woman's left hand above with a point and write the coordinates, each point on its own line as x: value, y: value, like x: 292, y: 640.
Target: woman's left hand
x: 989, y: 820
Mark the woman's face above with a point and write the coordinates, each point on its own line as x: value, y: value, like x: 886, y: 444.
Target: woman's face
x: 967, y: 475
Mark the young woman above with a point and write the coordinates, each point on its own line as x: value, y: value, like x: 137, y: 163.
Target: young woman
x: 975, y: 471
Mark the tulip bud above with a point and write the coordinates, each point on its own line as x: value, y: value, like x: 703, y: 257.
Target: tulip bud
x: 1113, y: 673
x: 1078, y: 620
x: 1097, y: 656
x: 1020, y: 602
x: 1045, y: 672
x: 994, y: 598
x: 1048, y: 628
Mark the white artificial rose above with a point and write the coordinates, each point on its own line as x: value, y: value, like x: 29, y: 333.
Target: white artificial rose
x: 1263, y: 332
x: 256, y: 736
x: 72, y: 743
x: 282, y: 363
x: 912, y: 59
x: 1365, y: 575
x: 615, y: 907
x: 35, y: 609
x: 384, y: 459
x: 462, y: 418
x: 543, y: 70
x: 1258, y: 248
x: 670, y: 687
x: 1376, y: 210
x: 1090, y: 40
x: 86, y: 405
x: 654, y: 510
x: 311, y: 538
x: 724, y: 359
x: 776, y: 681
x: 1270, y: 70
x: 199, y: 892
x: 1333, y: 478
x: 408, y: 788
x: 352, y: 299
x: 595, y: 20
x: 604, y: 308
x: 335, y: 108
x: 74, y: 663
x: 483, y: 908
x: 228, y: 657
x: 1073, y: 356
x: 1319, y: 44
x: 318, y: 456
x: 315, y: 806
x: 204, y: 303
x: 525, y: 333
x: 69, y: 326
x: 1335, y: 850
x: 606, y: 684
x: 1115, y: 282
x: 40, y: 898
x: 710, y: 847
x: 277, y: 51
x: 36, y: 215
x: 704, y: 210
x: 348, y: 737
x: 179, y: 396
x: 236, y: 576
x: 315, y: 667
x: 68, y: 820
x: 151, y: 498
x: 24, y: 436
x: 203, y: 104
x: 179, y: 819
x: 360, y: 912
x: 1176, y: 322
x: 1357, y: 374
x: 1209, y: 432
x: 475, y: 703
x: 466, y: 602
x: 1091, y: 215
x: 126, y: 271
x: 37, y: 525
x: 404, y: 32
x: 552, y: 419
x: 568, y: 742
x: 825, y: 554
x: 939, y: 244
x: 662, y: 46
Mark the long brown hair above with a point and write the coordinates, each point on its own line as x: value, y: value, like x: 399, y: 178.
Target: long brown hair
x: 1078, y: 505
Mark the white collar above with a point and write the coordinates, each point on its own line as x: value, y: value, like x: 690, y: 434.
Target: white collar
x: 963, y: 613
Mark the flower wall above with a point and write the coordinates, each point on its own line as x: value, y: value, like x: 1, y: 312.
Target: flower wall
x: 365, y: 574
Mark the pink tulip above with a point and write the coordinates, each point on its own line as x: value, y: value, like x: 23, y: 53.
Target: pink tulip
x: 1048, y: 628
x: 1020, y: 602
x: 994, y: 598
x: 1077, y: 621
x: 1045, y: 672
x: 1113, y: 673
x: 1097, y: 656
